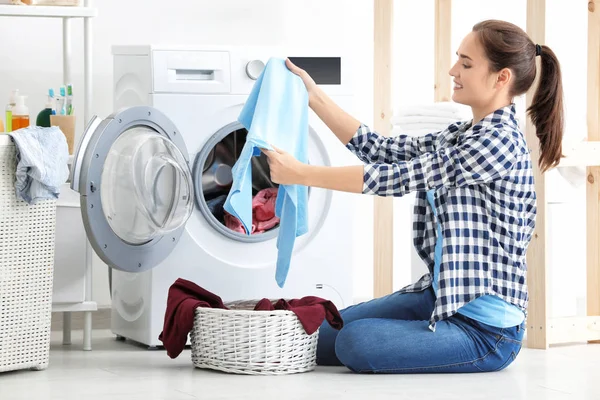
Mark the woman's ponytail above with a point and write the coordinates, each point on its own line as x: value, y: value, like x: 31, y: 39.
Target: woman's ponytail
x: 508, y: 46
x: 546, y: 110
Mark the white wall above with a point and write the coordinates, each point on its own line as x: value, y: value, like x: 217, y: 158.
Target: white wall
x: 30, y: 59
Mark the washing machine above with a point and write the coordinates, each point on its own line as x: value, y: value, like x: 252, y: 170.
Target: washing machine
x: 153, y: 176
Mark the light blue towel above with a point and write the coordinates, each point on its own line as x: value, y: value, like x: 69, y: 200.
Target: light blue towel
x: 276, y: 113
x: 42, y: 163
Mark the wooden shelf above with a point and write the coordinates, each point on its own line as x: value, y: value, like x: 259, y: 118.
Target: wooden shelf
x: 573, y: 329
x: 47, y: 11
x: 75, y: 307
x: 581, y: 154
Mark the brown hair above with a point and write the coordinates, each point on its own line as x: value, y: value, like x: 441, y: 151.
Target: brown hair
x: 508, y: 46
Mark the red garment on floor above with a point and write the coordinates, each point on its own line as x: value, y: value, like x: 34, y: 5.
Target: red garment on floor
x: 263, y: 213
x: 185, y: 296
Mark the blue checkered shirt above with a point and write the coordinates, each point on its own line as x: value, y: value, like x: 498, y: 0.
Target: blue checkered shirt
x: 485, y: 200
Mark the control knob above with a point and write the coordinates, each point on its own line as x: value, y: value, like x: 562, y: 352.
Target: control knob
x: 254, y: 68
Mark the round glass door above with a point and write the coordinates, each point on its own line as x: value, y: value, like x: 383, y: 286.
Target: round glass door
x: 145, y: 190
x: 136, y: 189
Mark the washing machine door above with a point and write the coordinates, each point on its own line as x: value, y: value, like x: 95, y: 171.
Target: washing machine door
x: 133, y: 176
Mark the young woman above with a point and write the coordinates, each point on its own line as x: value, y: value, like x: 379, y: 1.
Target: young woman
x: 473, y: 220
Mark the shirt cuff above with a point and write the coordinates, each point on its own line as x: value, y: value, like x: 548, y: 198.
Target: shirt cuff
x: 359, y: 138
x: 385, y: 180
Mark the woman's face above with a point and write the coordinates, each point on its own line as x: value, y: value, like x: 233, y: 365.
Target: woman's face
x: 473, y: 83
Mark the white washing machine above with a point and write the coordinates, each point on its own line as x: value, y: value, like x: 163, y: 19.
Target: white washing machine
x: 148, y: 176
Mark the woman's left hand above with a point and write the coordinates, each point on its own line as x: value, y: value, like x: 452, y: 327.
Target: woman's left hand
x: 285, y: 169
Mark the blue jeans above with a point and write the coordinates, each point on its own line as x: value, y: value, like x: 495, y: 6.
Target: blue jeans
x: 391, y: 335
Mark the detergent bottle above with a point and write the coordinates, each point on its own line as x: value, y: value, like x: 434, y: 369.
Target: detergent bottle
x: 9, y: 108
x: 43, y: 118
x: 20, y: 114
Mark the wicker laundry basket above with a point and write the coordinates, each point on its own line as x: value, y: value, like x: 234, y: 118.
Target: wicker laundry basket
x: 26, y: 272
x: 243, y: 341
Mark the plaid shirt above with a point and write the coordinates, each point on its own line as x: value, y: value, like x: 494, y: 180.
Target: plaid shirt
x: 485, y: 201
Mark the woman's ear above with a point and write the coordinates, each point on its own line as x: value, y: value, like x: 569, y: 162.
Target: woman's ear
x: 503, y: 78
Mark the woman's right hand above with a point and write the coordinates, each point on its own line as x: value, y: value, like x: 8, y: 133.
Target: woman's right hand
x: 342, y: 124
x: 311, y: 86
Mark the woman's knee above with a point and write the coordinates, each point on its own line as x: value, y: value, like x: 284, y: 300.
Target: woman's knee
x: 352, y: 346
x: 326, y: 346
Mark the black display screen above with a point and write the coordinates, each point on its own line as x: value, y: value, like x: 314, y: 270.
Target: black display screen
x: 324, y: 70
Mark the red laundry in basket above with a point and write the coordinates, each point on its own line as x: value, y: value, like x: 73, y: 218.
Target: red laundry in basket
x: 185, y: 296
x: 310, y: 310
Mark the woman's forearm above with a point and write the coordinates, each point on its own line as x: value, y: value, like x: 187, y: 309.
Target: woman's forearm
x: 342, y: 124
x: 345, y: 179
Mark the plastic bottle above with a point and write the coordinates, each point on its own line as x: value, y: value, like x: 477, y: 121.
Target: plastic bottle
x: 9, y: 109
x: 43, y: 118
x: 62, y: 109
x: 8, y: 116
x: 20, y: 114
x: 69, y: 101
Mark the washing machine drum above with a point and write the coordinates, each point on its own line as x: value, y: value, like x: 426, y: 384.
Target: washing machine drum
x: 132, y: 172
x: 145, y: 192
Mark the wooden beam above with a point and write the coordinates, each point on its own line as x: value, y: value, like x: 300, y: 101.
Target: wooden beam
x: 593, y: 173
x: 581, y: 154
x: 443, y: 53
x: 383, y: 257
x: 537, y: 320
x: 573, y: 329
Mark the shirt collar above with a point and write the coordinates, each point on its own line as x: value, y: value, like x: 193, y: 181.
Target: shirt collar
x: 502, y: 116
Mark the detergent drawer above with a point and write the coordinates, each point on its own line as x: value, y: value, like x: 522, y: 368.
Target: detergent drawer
x: 191, y: 71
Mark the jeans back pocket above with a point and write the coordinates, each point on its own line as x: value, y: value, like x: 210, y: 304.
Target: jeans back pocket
x: 501, y: 356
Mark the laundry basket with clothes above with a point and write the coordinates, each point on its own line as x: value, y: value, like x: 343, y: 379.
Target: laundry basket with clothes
x: 33, y: 165
x: 252, y: 337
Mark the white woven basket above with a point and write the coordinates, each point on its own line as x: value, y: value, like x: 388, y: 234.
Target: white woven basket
x: 26, y: 272
x: 242, y: 341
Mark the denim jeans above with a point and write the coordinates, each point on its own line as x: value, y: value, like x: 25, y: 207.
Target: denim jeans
x: 391, y: 335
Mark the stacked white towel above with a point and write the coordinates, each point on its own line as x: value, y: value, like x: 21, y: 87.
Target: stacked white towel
x: 427, y: 118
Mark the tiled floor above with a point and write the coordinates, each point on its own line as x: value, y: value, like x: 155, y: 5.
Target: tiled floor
x: 122, y: 371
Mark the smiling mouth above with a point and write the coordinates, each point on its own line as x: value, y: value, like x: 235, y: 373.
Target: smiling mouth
x: 457, y: 86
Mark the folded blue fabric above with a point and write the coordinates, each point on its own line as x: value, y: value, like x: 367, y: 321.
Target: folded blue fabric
x: 275, y: 114
x: 42, y: 163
